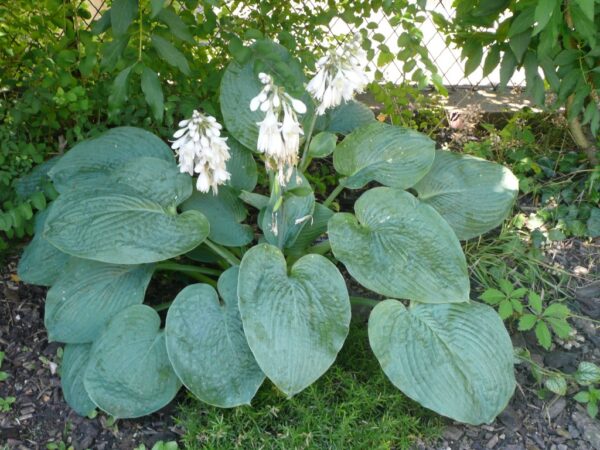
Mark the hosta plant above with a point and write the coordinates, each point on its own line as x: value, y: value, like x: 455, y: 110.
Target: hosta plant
x: 269, y: 299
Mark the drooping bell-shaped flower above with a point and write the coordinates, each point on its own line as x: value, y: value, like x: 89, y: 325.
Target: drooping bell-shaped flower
x: 340, y: 75
x: 279, y: 132
x: 202, y: 150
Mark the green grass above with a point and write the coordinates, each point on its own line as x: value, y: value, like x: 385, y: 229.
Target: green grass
x: 353, y: 406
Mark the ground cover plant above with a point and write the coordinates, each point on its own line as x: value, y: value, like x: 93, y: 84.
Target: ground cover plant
x: 271, y: 302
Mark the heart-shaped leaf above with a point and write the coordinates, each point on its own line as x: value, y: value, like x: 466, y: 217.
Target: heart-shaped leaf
x: 400, y: 247
x: 74, y: 361
x: 224, y: 212
x: 207, y: 346
x: 393, y: 156
x: 295, y: 324
x: 240, y: 84
x: 129, y: 374
x: 120, y: 227
x: 88, y: 294
x: 472, y: 194
x: 155, y: 179
x: 41, y: 263
x: 90, y: 162
x: 456, y: 359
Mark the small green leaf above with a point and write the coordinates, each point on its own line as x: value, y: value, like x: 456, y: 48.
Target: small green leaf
x: 543, y: 335
x: 153, y: 93
x: 322, y: 145
x: 38, y: 200
x: 118, y: 93
x: 112, y: 51
x: 587, y: 6
x: 170, y: 54
x: 592, y: 409
x: 506, y: 286
x: 582, y: 397
x: 556, y: 384
x: 558, y: 310
x: 543, y: 14
x: 505, y: 310
x: 587, y: 373
x: 519, y: 293
x: 560, y: 326
x: 517, y: 305
x: 507, y: 68
x: 527, y: 321
x: 535, y: 302
x: 492, y: 296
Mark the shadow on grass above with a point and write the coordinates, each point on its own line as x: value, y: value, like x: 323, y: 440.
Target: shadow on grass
x: 352, y: 406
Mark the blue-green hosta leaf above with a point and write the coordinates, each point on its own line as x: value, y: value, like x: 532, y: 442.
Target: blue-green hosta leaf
x: 74, y: 361
x: 240, y: 85
x: 456, y: 359
x: 154, y: 179
x: 393, y: 156
x: 242, y: 167
x: 90, y: 162
x: 129, y: 374
x: 41, y: 262
x: 400, y: 247
x: 35, y: 180
x: 295, y: 324
x: 297, y: 211
x: 472, y: 194
x: 121, y: 227
x: 88, y: 294
x: 345, y: 118
x: 207, y: 346
x: 225, y: 212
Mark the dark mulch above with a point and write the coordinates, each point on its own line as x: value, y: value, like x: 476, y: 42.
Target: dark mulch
x: 40, y: 415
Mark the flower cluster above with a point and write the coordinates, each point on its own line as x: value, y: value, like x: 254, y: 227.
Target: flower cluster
x: 202, y: 150
x: 279, y: 132
x: 339, y: 75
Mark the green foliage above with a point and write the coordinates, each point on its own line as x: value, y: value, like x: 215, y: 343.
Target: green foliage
x: 560, y: 38
x: 353, y: 405
x: 537, y: 151
x: 282, y: 311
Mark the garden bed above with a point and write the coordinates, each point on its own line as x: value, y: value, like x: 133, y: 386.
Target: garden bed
x: 40, y: 416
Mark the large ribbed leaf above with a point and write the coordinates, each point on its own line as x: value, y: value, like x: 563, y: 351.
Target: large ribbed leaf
x: 90, y: 162
x: 472, y: 194
x: 74, y: 361
x: 207, y: 346
x: 454, y: 359
x: 296, y: 212
x: 295, y: 324
x: 225, y: 212
x: 393, y: 156
x: 242, y: 166
x: 400, y: 247
x: 41, y: 262
x: 240, y: 85
x: 155, y: 179
x: 345, y: 118
x: 129, y: 374
x: 88, y: 294
x: 121, y: 227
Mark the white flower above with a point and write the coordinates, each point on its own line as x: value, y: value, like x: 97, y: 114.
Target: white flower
x: 279, y: 132
x: 339, y: 75
x: 202, y: 150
